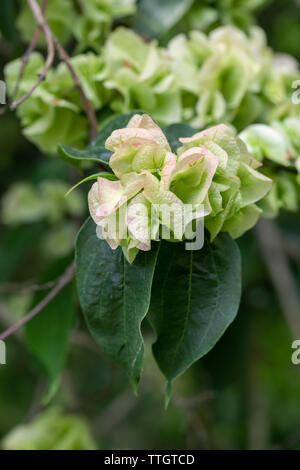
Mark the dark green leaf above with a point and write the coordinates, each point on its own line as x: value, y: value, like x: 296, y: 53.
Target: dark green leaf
x: 114, y: 297
x: 156, y: 17
x: 195, y: 297
x: 75, y: 157
x: 95, y: 151
x: 175, y: 131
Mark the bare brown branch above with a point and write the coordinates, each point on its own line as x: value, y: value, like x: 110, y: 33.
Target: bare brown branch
x: 86, y: 103
x: 25, y: 57
x: 42, y: 24
x: 24, y: 287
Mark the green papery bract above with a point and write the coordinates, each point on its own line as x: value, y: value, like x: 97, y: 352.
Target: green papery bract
x: 288, y: 191
x: 210, y: 108
x: 290, y: 128
x: 53, y: 113
x: 219, y: 70
x: 193, y: 174
x: 242, y: 220
x: 95, y: 21
x: 142, y: 73
x: 266, y: 142
x: 56, y: 126
x: 224, y: 200
x: 226, y: 73
x: 284, y: 70
x: 60, y: 16
x: 205, y: 14
x: 34, y: 67
x: 88, y: 21
x: 88, y: 67
x: 285, y: 194
x: 188, y: 54
x: 221, y: 135
x: 168, y: 208
x: 280, y: 144
x: 254, y: 185
x: 140, y: 146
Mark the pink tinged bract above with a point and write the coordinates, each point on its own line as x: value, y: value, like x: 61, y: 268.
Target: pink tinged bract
x: 94, y: 203
x: 139, y: 127
x: 110, y: 195
x: 169, y: 166
x: 138, y: 219
x: 146, y: 122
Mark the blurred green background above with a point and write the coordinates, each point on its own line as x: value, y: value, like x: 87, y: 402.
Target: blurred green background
x: 243, y: 395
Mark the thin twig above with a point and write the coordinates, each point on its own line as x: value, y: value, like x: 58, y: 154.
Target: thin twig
x: 292, y: 248
x: 25, y: 57
x: 52, y: 42
x: 61, y: 282
x: 277, y: 263
x: 86, y: 103
x: 24, y: 287
x: 115, y: 413
x: 193, y: 401
x: 50, y: 51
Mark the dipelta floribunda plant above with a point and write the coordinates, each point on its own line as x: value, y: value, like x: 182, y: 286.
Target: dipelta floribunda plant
x: 201, y: 127
x: 213, y: 173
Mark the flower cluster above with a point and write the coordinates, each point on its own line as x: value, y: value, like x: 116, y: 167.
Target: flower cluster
x: 89, y: 22
x: 200, y: 79
x: 213, y: 175
x: 140, y: 76
x: 278, y: 147
x: 227, y: 77
x: 53, y: 113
